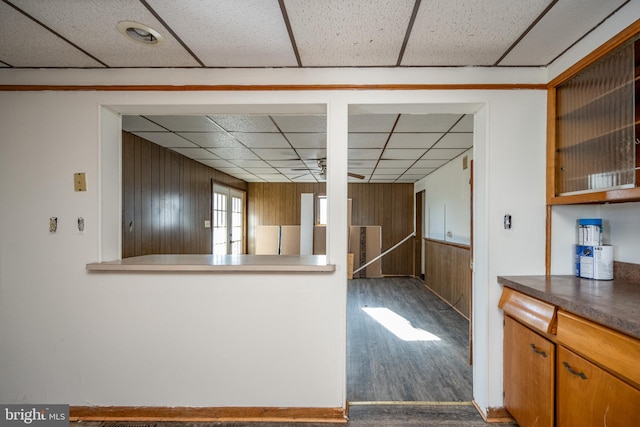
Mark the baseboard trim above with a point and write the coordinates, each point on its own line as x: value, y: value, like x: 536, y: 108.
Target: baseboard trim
x: 495, y: 415
x: 207, y: 414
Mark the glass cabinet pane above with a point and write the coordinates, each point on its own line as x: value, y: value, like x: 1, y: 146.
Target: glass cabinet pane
x: 596, y: 147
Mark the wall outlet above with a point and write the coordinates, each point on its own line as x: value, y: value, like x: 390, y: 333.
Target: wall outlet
x: 80, y: 224
x: 53, y: 224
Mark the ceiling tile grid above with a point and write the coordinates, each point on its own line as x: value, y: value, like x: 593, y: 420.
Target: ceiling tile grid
x: 256, y: 148
x: 296, y: 33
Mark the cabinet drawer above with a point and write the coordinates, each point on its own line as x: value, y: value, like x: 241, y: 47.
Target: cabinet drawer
x: 591, y: 397
x: 610, y: 349
x: 536, y: 314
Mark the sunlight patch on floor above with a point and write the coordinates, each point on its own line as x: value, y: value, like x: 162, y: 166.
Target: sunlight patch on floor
x: 398, y: 325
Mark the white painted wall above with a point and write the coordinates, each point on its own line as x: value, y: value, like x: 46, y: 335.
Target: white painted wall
x: 447, y: 201
x: 215, y: 340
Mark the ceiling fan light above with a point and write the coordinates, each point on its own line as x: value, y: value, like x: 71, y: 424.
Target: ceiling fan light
x: 139, y: 32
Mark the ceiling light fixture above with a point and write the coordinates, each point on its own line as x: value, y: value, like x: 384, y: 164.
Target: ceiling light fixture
x: 139, y: 32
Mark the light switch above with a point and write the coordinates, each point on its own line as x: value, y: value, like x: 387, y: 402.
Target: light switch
x: 79, y: 181
x: 207, y: 223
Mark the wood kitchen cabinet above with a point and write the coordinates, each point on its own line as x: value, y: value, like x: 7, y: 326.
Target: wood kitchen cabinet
x: 598, y: 375
x: 563, y: 370
x: 529, y: 359
x: 529, y: 362
x: 593, y: 154
x: 589, y: 396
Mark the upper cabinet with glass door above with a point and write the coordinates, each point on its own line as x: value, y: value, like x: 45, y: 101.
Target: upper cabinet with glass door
x: 594, y: 129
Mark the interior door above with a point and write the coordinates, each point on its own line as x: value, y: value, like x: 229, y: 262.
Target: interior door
x: 228, y: 223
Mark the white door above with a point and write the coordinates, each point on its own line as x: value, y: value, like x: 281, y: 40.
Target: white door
x: 227, y: 221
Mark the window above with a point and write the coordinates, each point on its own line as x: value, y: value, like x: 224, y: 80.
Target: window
x: 227, y: 221
x: 322, y: 210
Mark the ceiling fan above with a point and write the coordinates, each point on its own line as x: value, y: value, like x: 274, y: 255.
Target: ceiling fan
x: 321, y: 170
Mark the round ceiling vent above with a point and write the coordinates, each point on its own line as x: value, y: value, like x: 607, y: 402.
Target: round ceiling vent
x: 139, y: 32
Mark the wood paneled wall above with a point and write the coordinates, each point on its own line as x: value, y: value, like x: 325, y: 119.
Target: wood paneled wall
x: 387, y: 205
x: 166, y: 197
x: 447, y: 273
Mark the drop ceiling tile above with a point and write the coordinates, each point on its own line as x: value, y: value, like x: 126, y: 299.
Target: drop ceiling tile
x: 362, y: 171
x: 276, y: 177
x: 403, y: 153
x: 219, y: 164
x: 196, y: 153
x: 166, y: 139
x: 312, y: 153
x: 186, y: 123
x: 364, y: 154
x: 455, y: 140
x: 80, y: 22
x: 413, y: 140
x: 275, y: 153
x: 253, y: 163
x: 261, y: 140
x: 293, y: 171
x: 247, y: 177
x: 288, y: 163
x: 430, y: 163
x: 367, y: 140
x: 408, y: 177
x: 211, y: 139
x: 301, y: 123
x: 418, y: 170
x: 464, y: 125
x: 371, y: 122
x: 389, y: 171
x: 237, y: 172
x: 24, y: 43
x: 551, y: 36
x: 349, y: 33
x: 234, y: 153
x: 216, y: 30
x: 426, y: 122
x: 404, y: 164
x: 304, y: 178
x: 263, y: 171
x: 359, y: 163
x: 245, y: 123
x: 139, y: 123
x: 443, y: 153
x: 307, y: 140
x: 462, y: 33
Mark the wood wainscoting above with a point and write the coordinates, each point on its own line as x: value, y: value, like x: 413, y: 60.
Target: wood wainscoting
x: 448, y: 274
x: 166, y: 197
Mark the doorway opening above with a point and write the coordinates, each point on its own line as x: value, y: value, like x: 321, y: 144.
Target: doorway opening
x: 382, y: 366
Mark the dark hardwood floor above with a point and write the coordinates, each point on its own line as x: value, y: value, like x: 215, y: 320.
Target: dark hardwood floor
x: 383, y: 367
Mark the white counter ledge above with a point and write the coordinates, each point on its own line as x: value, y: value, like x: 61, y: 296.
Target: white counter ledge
x: 218, y: 263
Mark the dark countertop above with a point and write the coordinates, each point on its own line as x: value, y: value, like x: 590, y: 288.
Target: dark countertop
x: 612, y: 303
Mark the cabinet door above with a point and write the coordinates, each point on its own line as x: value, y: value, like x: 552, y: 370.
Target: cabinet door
x: 589, y: 396
x: 529, y: 361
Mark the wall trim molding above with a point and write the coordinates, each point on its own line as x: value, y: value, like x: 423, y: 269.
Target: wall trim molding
x: 495, y: 415
x: 185, y: 88
x: 206, y: 414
